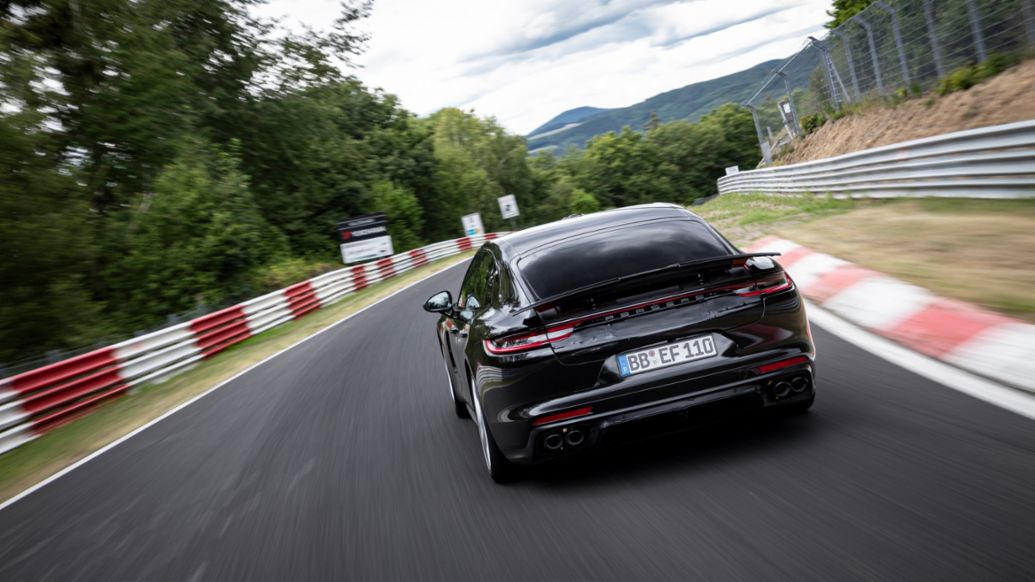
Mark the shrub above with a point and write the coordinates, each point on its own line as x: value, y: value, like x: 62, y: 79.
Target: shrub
x: 812, y: 122
x: 583, y: 202
x: 967, y: 76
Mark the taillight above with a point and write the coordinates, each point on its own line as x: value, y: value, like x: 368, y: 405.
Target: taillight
x: 782, y: 364
x: 767, y: 285
x: 527, y: 341
x: 567, y: 414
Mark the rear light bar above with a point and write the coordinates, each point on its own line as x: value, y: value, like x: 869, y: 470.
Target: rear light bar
x: 576, y: 413
x: 782, y: 364
x: 767, y: 286
x: 528, y: 341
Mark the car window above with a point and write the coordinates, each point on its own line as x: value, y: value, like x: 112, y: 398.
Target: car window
x: 506, y: 288
x: 476, y: 281
x: 613, y: 253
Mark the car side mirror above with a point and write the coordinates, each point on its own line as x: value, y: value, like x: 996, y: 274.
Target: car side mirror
x: 440, y: 302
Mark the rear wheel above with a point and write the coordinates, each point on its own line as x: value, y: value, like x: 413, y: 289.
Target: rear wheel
x: 500, y: 469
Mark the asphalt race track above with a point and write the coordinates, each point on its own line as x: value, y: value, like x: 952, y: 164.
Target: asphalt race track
x: 342, y: 460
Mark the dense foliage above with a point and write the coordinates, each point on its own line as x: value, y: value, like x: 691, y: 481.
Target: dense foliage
x: 172, y: 156
x: 845, y: 9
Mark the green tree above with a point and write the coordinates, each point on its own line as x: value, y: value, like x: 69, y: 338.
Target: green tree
x: 47, y: 244
x: 845, y: 9
x: 583, y: 202
x: 191, y: 241
x: 404, y: 214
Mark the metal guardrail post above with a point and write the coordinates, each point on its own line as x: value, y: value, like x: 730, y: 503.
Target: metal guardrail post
x: 850, y: 60
x: 873, y: 52
x: 897, y: 32
x: 975, y: 29
x: 936, y: 49
x: 987, y: 162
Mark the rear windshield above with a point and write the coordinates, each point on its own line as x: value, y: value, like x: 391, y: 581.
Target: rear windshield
x: 618, y: 252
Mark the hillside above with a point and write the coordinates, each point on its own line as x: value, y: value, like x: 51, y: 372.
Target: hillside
x: 1004, y: 98
x: 690, y: 102
x: 567, y: 118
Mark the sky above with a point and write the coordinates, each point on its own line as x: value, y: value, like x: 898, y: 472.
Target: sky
x: 525, y: 61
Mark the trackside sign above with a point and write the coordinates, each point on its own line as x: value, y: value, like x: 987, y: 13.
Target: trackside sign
x: 364, y: 238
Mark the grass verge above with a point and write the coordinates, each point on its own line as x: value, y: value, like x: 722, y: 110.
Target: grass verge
x: 967, y: 249
x: 40, y: 458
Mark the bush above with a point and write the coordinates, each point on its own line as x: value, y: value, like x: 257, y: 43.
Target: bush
x: 583, y: 202
x: 286, y: 272
x: 812, y: 122
x: 967, y: 76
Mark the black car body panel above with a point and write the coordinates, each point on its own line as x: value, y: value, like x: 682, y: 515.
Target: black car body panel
x: 531, y: 350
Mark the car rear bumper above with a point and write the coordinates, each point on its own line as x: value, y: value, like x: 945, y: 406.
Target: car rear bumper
x: 676, y: 406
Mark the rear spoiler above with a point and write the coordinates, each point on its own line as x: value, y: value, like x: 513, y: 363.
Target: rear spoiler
x: 673, y: 267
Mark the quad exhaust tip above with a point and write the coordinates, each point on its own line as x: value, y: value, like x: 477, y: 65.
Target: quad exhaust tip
x: 575, y: 437
x: 553, y: 441
x: 781, y: 389
x: 799, y: 384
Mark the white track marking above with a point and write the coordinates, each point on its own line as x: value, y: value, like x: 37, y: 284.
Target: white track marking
x: 965, y: 382
x: 180, y: 407
x: 1006, y: 351
x: 879, y: 302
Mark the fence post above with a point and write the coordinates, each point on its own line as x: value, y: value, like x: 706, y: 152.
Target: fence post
x: 790, y: 101
x: 833, y: 79
x: 932, y: 34
x: 762, y: 143
x: 975, y: 29
x: 1028, y: 9
x: 898, y: 40
x: 849, y: 59
x: 873, y: 53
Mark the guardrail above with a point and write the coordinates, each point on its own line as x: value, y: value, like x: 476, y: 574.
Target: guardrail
x: 990, y: 162
x: 38, y: 400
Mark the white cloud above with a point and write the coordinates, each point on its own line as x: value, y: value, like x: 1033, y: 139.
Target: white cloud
x: 525, y: 62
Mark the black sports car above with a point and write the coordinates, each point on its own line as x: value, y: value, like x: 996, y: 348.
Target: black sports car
x: 587, y: 329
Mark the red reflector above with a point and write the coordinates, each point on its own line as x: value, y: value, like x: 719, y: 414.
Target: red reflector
x: 782, y: 364
x: 563, y: 415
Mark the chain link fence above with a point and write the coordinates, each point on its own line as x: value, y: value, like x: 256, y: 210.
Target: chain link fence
x: 891, y: 50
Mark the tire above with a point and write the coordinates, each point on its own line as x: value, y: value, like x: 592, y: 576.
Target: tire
x: 458, y: 407
x: 500, y: 469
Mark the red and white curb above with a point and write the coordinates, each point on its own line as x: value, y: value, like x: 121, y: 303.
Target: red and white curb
x: 35, y: 401
x: 957, y: 333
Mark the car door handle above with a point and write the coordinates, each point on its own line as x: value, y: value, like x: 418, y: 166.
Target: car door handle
x: 463, y: 334
x: 453, y: 330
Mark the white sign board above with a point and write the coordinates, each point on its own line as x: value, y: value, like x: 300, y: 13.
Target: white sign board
x: 508, y: 206
x: 365, y: 250
x: 473, y: 224
x: 732, y: 170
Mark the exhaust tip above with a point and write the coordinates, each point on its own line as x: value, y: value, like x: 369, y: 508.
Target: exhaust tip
x: 553, y: 441
x: 781, y: 389
x: 799, y: 384
x: 575, y: 437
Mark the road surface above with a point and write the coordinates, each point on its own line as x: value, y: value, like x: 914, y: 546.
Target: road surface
x: 342, y: 460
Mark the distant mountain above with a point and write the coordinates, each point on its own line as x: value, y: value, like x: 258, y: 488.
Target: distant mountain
x: 567, y: 118
x: 577, y: 126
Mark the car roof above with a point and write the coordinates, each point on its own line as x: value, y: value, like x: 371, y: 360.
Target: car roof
x: 513, y: 246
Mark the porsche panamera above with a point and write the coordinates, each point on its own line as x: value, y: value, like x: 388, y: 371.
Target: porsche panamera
x: 582, y: 331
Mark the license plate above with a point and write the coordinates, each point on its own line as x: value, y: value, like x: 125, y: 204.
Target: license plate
x: 688, y: 350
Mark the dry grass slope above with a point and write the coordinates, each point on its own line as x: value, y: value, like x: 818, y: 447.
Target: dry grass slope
x: 1005, y: 98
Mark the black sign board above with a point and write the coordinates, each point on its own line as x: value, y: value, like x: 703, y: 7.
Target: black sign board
x: 363, y: 227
